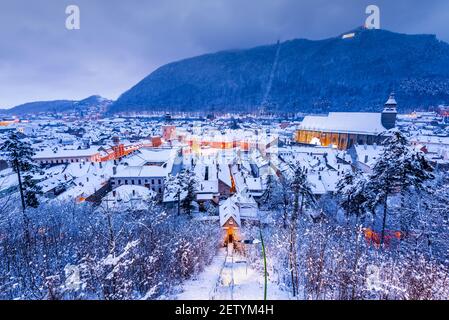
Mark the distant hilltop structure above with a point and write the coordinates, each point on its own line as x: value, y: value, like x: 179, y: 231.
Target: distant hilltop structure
x: 342, y: 130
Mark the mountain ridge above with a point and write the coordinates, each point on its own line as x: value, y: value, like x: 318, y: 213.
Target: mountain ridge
x: 56, y: 106
x: 334, y: 74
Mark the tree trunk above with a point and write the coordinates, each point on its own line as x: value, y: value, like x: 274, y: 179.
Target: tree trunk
x: 285, y: 215
x: 22, y: 197
x: 292, y: 262
x: 293, y: 225
x: 111, y: 235
x: 356, y: 258
x: 384, y: 222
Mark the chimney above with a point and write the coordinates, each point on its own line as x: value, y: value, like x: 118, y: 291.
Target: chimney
x: 134, y: 193
x: 366, y: 158
x: 114, y: 193
x: 114, y: 170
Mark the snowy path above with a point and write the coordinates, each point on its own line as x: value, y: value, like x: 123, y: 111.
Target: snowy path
x: 229, y: 278
x: 202, y: 287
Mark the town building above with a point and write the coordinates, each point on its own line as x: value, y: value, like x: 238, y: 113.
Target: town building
x: 148, y: 167
x: 365, y: 157
x: 64, y: 156
x: 151, y: 177
x: 127, y: 198
x: 233, y: 211
x: 79, y: 154
x: 342, y: 130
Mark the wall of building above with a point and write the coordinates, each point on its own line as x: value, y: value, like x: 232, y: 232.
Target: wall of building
x: 343, y: 141
x: 154, y: 183
x: 54, y: 161
x: 223, y: 189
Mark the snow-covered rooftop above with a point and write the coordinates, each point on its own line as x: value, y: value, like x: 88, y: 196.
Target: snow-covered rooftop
x: 142, y: 171
x: 127, y: 197
x: 66, y: 153
x: 345, y: 122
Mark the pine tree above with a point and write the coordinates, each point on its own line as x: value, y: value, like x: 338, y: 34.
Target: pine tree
x: 19, y: 154
x: 398, y: 169
x: 189, y: 182
x: 272, y: 197
x: 301, y: 189
x: 183, y: 188
x: 352, y: 193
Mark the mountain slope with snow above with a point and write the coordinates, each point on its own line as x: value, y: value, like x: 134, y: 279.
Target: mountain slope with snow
x: 336, y: 74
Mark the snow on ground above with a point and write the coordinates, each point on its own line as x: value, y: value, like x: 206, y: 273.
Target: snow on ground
x: 229, y: 278
x: 202, y: 286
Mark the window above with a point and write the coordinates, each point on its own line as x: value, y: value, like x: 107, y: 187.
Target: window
x: 119, y: 181
x: 152, y: 181
x: 140, y: 182
x: 126, y: 181
x: 159, y: 181
x: 132, y: 182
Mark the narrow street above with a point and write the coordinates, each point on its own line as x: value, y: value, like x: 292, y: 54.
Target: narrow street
x: 229, y: 278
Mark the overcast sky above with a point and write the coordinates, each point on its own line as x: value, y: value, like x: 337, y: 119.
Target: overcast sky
x: 122, y: 41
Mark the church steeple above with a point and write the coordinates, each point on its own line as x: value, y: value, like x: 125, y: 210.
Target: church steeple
x: 390, y: 113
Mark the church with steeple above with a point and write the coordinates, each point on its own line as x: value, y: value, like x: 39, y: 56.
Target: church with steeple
x: 342, y: 130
